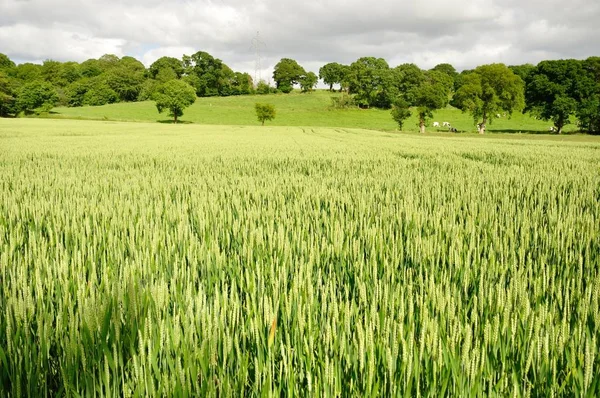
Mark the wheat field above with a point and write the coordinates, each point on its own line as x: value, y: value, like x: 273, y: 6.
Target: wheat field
x: 145, y: 259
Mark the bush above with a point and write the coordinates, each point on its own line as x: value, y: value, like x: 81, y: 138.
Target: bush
x: 264, y: 112
x: 263, y: 87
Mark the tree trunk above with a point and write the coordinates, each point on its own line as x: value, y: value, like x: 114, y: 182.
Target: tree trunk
x: 482, y: 125
x: 263, y: 122
x: 422, y: 126
x: 175, y: 119
x: 331, y: 87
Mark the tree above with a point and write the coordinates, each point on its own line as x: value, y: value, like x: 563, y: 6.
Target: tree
x: 522, y: 71
x: 588, y: 110
x: 99, y: 93
x: 554, y: 90
x: 241, y: 84
x: 208, y: 75
x: 407, y: 78
x: 487, y: 90
x: 28, y: 72
x: 286, y: 73
x: 371, y: 81
x: 333, y: 73
x: 308, y: 82
x: 166, y: 65
x: 263, y: 87
x: 125, y: 80
x: 36, y: 96
x: 7, y: 95
x: 400, y: 112
x: 432, y: 94
x: 76, y: 91
x: 174, y: 96
x: 447, y: 69
x: 5, y: 62
x: 90, y: 68
x: 108, y: 61
x: 264, y: 112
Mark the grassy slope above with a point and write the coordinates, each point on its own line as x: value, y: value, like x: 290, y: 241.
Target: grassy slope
x: 295, y: 109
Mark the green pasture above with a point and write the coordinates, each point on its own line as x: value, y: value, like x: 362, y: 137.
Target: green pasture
x: 297, y: 109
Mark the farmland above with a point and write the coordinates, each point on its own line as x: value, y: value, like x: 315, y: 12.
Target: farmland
x: 173, y: 260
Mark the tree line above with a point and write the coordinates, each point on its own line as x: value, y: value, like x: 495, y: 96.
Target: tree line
x: 560, y: 91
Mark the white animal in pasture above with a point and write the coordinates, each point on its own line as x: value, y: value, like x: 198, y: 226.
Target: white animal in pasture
x: 436, y: 124
x: 446, y: 124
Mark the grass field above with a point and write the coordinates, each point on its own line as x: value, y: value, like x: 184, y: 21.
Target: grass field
x: 147, y: 259
x: 296, y: 109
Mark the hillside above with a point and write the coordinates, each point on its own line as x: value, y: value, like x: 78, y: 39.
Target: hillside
x: 295, y: 109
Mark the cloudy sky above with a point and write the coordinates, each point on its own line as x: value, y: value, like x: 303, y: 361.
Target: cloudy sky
x: 465, y: 33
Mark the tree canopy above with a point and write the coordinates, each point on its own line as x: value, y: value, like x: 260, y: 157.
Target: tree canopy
x: 264, y: 112
x: 333, y: 73
x: 554, y: 90
x: 286, y: 73
x: 174, y: 96
x: 36, y: 97
x: 308, y: 82
x: 370, y: 80
x: 487, y: 90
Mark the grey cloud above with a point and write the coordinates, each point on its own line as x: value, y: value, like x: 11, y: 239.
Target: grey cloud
x: 465, y: 33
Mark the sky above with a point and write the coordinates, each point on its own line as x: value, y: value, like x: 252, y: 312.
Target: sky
x: 464, y: 33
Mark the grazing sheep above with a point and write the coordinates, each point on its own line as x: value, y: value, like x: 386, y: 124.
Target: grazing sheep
x: 436, y: 124
x: 446, y: 124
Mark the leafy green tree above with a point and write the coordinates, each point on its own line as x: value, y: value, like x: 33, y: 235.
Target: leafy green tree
x: 264, y: 112
x: 488, y: 90
x: 588, y: 110
x: 263, y: 88
x: 28, y: 72
x: 308, y: 82
x: 99, y: 93
x: 166, y: 66
x: 241, y: 83
x: 333, y: 73
x: 400, y: 112
x: 407, y: 78
x: 69, y: 72
x: 90, y: 68
x: 6, y: 63
x: 208, y: 75
x: 174, y: 96
x: 36, y: 96
x: 149, y: 88
x: 554, y: 89
x: 76, y: 91
x: 447, y: 69
x: 371, y: 81
x: 522, y: 71
x: 7, y: 95
x: 108, y: 61
x: 125, y: 81
x: 286, y: 73
x: 432, y: 94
